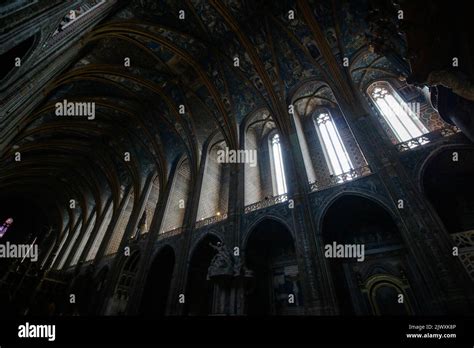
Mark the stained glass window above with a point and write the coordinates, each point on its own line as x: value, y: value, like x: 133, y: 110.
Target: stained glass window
x: 334, y: 150
x: 401, y: 117
x: 279, y: 169
x: 6, y: 225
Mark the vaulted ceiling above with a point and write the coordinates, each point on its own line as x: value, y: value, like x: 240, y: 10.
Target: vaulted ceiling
x: 174, y: 62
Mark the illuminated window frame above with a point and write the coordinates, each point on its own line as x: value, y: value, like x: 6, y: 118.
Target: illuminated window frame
x: 277, y: 165
x: 401, y: 119
x: 335, y: 153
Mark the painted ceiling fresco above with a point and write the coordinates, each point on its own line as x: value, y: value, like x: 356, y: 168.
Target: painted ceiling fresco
x: 183, y: 84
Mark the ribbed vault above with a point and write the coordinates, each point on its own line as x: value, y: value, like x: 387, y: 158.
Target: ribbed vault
x: 181, y: 88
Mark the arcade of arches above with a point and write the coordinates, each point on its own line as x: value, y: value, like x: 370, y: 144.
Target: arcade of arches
x: 235, y: 157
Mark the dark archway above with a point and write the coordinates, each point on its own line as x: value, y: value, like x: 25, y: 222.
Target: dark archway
x: 449, y: 186
x: 157, y: 288
x: 276, y: 288
x: 99, y: 290
x: 364, y: 247
x: 117, y: 305
x: 199, y: 290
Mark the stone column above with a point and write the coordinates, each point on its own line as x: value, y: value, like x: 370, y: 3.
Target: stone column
x: 182, y: 258
x: 147, y: 255
x: 115, y: 270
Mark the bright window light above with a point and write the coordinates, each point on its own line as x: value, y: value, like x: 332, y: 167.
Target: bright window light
x: 334, y: 150
x: 401, y: 119
x: 278, y: 165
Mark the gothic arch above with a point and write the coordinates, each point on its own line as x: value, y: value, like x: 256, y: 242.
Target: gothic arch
x: 182, y: 181
x: 375, y: 198
x: 370, y: 229
x: 376, y: 282
x: 330, y: 151
x: 446, y: 183
x: 421, y: 166
x: 256, y: 128
x: 160, y: 248
x: 214, y: 192
x: 153, y: 198
x: 199, y: 291
x: 275, y: 287
x: 371, y: 67
x: 248, y: 231
x: 117, y: 304
x: 298, y: 90
x: 132, y: 261
x: 415, y: 117
x: 198, y: 241
x: 247, y: 120
x: 160, y: 273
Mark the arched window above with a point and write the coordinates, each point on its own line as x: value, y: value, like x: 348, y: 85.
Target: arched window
x: 278, y: 169
x: 100, y: 233
x: 60, y: 249
x: 76, y: 232
x: 177, y: 200
x: 121, y: 226
x: 84, y: 240
x: 150, y: 206
x: 401, y: 117
x: 331, y: 154
x: 214, y: 193
x: 117, y: 305
x: 258, y: 173
x: 334, y: 150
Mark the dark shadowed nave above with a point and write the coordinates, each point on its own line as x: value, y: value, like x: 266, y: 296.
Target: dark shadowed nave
x: 234, y: 158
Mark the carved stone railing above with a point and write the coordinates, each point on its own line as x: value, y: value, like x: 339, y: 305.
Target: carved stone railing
x: 463, y: 239
x: 266, y: 203
x: 465, y: 242
x: 334, y: 180
x: 210, y: 220
x: 427, y: 138
x: 449, y: 130
x: 170, y: 233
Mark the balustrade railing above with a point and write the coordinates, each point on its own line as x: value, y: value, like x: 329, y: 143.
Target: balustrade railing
x: 170, y: 233
x: 464, y: 239
x: 266, y: 203
x: 334, y: 180
x: 427, y: 138
x: 210, y: 220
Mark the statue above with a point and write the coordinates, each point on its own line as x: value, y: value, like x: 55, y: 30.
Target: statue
x: 226, y: 264
x: 221, y: 263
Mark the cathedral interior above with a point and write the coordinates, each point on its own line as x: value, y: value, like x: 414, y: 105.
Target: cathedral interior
x: 236, y: 157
